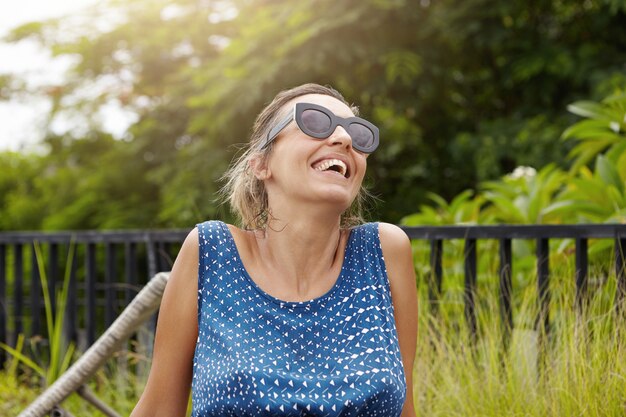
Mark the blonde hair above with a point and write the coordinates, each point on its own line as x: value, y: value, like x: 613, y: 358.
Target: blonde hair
x: 245, y: 193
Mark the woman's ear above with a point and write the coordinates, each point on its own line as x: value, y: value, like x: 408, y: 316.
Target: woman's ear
x: 259, y: 167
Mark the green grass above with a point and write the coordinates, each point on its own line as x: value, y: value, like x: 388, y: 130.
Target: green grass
x: 118, y: 390
x: 578, y: 369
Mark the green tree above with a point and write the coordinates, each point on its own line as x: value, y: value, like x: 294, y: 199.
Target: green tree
x: 462, y: 92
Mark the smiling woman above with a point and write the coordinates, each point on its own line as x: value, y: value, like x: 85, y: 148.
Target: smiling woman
x: 305, y: 309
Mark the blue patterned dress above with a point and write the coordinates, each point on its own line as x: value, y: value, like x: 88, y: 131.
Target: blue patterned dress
x: 256, y: 355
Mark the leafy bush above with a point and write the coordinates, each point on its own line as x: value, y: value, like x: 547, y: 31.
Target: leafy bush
x: 552, y: 195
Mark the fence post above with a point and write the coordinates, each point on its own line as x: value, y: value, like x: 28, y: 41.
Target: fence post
x: 506, y: 287
x: 90, y: 271
x: 470, y: 286
x: 18, y: 295
x: 35, y: 292
x: 152, y: 260
x: 72, y: 295
x: 53, y: 274
x: 543, y: 290
x: 435, y: 276
x: 582, y: 265
x: 109, y: 289
x: 620, y: 274
x: 130, y: 271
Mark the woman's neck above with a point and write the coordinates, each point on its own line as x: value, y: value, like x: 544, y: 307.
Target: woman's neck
x: 298, y: 250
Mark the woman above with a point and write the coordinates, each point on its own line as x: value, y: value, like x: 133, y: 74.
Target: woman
x: 300, y: 313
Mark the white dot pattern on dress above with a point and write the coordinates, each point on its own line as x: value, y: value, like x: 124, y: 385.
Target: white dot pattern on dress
x: 256, y: 355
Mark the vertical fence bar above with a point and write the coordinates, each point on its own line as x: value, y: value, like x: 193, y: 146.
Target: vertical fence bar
x: 435, y: 276
x: 166, y: 257
x: 161, y: 256
x: 469, y: 253
x: 90, y: 269
x: 151, y: 255
x: 506, y: 288
x: 130, y: 271
x: 53, y: 274
x: 543, y: 273
x: 620, y: 274
x: 109, y: 290
x: 72, y: 295
x: 3, y: 302
x: 18, y: 293
x: 582, y: 265
x: 35, y: 293
x: 146, y: 339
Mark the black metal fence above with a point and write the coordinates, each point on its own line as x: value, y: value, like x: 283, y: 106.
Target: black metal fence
x: 110, y: 267
x: 541, y: 234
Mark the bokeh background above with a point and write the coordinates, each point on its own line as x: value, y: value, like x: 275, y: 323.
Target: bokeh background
x: 138, y: 106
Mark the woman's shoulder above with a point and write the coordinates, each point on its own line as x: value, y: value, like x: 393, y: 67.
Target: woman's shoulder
x: 395, y: 245
x: 217, y: 232
x: 209, y: 225
x: 392, y: 236
x: 189, y: 249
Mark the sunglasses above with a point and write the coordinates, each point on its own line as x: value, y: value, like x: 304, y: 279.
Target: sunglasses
x: 319, y: 122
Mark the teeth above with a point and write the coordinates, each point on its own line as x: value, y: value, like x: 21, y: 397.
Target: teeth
x: 323, y: 166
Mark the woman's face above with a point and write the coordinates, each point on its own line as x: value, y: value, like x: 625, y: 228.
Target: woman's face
x: 318, y: 171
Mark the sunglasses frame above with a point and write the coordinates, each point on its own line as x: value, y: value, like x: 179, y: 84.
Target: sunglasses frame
x: 335, y: 121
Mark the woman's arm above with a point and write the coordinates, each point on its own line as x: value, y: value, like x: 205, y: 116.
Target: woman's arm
x: 396, y: 248
x: 169, y: 382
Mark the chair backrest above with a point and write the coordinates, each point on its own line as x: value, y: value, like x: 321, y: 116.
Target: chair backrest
x: 138, y: 311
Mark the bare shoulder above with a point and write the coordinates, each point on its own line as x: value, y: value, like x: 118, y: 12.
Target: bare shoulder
x: 189, y: 253
x: 183, y: 282
x: 192, y: 240
x: 398, y: 255
x: 244, y: 239
x: 395, y: 244
x: 392, y: 237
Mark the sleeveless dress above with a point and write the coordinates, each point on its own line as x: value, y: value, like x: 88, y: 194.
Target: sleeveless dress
x: 256, y: 355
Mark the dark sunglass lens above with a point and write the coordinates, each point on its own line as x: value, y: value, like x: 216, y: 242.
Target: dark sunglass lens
x: 361, y: 135
x: 316, y: 122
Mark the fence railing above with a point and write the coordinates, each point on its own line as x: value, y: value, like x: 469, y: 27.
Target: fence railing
x: 541, y: 234
x: 109, y: 268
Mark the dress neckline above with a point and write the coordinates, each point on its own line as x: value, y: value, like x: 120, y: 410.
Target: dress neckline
x: 284, y: 303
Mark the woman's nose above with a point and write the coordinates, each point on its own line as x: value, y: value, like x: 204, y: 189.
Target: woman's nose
x: 341, y: 136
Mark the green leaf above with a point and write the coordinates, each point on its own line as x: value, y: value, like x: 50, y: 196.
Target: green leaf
x: 584, y: 153
x: 437, y: 199
x: 621, y: 166
x: 591, y: 110
x: 608, y: 173
x: 574, y: 207
x: 460, y: 201
x: 591, y: 130
x: 508, y: 211
x: 23, y: 358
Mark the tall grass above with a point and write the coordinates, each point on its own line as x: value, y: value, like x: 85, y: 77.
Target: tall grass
x: 59, y: 352
x: 114, y: 384
x: 577, y: 369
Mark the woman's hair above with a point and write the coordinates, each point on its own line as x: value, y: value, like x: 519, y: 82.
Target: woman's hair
x: 245, y: 193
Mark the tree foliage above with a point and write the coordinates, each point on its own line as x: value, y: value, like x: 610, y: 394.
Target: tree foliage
x: 553, y: 195
x: 463, y: 93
